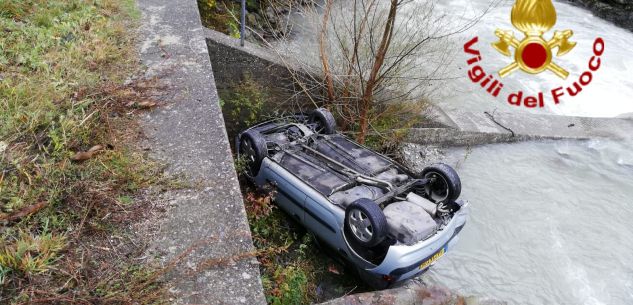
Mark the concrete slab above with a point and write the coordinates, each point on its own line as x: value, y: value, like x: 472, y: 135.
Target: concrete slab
x: 542, y: 126
x: 412, y: 293
x: 204, y: 238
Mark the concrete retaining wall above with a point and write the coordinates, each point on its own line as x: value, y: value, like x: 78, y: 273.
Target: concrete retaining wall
x: 232, y: 64
x: 496, y: 127
x: 204, y: 239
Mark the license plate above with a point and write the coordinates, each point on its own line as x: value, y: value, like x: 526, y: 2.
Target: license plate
x: 433, y: 258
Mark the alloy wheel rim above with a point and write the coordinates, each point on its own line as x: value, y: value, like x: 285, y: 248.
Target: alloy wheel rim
x: 360, y: 225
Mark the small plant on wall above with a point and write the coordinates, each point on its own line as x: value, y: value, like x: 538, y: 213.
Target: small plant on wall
x: 243, y: 105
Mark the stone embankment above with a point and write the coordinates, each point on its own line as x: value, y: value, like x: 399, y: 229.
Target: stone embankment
x: 413, y: 293
x: 619, y: 12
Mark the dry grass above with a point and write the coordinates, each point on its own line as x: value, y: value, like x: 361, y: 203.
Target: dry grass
x: 65, y: 70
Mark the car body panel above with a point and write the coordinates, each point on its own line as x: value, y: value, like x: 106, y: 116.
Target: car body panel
x: 403, y: 256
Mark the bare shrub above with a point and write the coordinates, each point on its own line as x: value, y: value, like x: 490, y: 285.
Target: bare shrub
x: 370, y: 53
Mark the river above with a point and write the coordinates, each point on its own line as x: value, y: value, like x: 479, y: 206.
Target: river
x: 550, y: 224
x: 608, y: 94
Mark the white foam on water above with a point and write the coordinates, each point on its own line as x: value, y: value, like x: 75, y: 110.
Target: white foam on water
x: 575, y: 275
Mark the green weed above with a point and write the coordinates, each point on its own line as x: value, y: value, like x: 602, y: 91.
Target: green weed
x: 221, y: 15
x: 291, y: 288
x: 62, y: 68
x: 243, y: 105
x: 390, y: 124
x: 30, y: 254
x: 291, y: 264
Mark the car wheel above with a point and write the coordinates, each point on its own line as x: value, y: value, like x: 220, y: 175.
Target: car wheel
x: 253, y: 150
x: 323, y: 121
x: 445, y: 185
x: 365, y: 222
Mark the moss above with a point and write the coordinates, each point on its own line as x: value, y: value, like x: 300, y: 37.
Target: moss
x: 221, y: 15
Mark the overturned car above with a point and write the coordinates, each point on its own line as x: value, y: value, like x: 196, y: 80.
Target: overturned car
x: 389, y: 223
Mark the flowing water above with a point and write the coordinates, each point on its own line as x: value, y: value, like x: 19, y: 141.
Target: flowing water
x: 608, y: 95
x: 550, y: 224
x: 551, y: 221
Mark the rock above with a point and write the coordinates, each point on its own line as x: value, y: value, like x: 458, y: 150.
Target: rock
x: 271, y: 15
x: 416, y: 156
x: 411, y: 293
x: 251, y: 19
x: 619, y: 12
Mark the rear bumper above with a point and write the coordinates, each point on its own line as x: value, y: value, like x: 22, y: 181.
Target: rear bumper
x: 403, y: 262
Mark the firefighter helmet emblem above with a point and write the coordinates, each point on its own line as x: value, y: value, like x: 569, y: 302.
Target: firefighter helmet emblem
x: 533, y: 54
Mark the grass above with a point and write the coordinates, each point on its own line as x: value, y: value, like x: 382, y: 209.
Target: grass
x: 63, y: 67
x: 390, y: 125
x: 221, y: 15
x: 294, y: 269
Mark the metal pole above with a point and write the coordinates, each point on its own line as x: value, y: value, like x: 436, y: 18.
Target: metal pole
x: 243, y: 23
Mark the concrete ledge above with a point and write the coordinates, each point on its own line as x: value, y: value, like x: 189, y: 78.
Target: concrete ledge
x: 456, y: 137
x: 469, y: 128
x: 412, y: 293
x: 204, y: 239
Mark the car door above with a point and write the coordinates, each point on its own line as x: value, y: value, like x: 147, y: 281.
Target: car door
x: 320, y: 220
x: 289, y: 197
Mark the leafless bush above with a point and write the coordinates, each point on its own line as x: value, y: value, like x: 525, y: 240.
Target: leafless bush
x: 369, y: 54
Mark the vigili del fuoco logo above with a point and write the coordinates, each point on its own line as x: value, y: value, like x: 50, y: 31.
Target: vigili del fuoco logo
x: 533, y: 54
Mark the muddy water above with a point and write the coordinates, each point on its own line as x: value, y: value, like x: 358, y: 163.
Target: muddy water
x: 607, y: 95
x: 551, y: 223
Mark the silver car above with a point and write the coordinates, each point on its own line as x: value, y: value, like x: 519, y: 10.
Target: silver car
x: 389, y: 223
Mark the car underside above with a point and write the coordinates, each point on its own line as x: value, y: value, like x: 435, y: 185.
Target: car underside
x: 358, y: 202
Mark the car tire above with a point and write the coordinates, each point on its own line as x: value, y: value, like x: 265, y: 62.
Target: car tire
x: 365, y: 222
x: 254, y: 149
x: 324, y: 121
x: 446, y: 186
